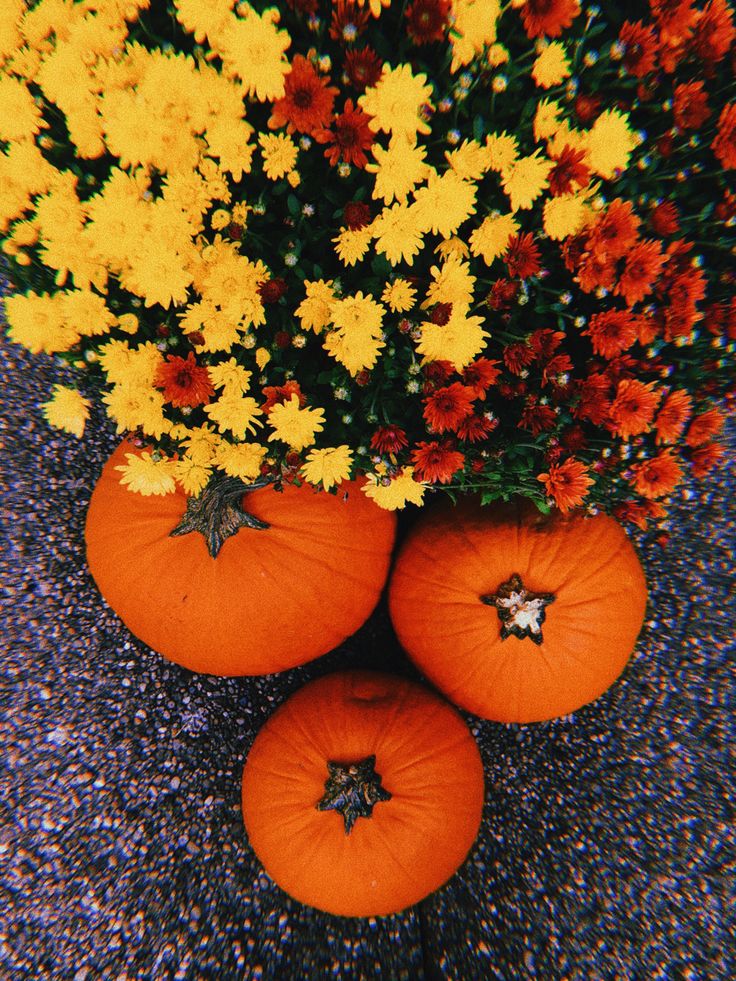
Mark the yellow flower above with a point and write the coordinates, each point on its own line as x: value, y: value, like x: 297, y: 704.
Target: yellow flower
x: 200, y: 444
x: 395, y: 102
x: 134, y: 406
x: 252, y: 49
x: 399, y: 295
x: 11, y: 14
x: 24, y: 171
x: 87, y: 312
x: 491, y: 238
x: 293, y: 178
x: 458, y: 341
x: 230, y: 375
x: 452, y: 246
x: 279, y: 154
x: 609, y: 143
x: 497, y: 55
x: 400, y: 490
x: 473, y: 29
x: 328, y: 466
x: 204, y: 18
x: 146, y: 475
x: 235, y: 413
x: 38, y: 323
x: 67, y: 410
x: 20, y: 117
x: 240, y: 459
x: 398, y: 233
x: 220, y: 219
x: 564, y: 215
x: 356, y: 339
x: 398, y: 169
x: 470, y: 160
x: 546, y: 122
x: 451, y: 283
x: 128, y: 323
x: 314, y: 311
x: 503, y: 150
x: 552, y: 66
x: 525, y: 179
x: 352, y: 244
x: 444, y: 203
x: 294, y: 425
x: 262, y: 356
x: 191, y: 475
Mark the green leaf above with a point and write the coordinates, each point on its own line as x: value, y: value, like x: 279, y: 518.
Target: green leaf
x: 479, y: 128
x: 292, y: 203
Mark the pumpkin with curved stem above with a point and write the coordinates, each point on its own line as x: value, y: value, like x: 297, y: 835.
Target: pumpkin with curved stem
x: 238, y: 581
x: 515, y: 616
x: 362, y: 793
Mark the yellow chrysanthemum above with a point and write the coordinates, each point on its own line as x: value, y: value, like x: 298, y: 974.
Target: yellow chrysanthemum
x: 200, y: 444
x: 20, y: 117
x: 294, y: 425
x: 38, y: 322
x: 191, y: 475
x: 398, y: 169
x: 473, y: 29
x: 67, y: 410
x: 145, y: 475
x: 87, y: 312
x: 252, y: 49
x: 134, y: 406
x: 279, y: 154
x: 609, y: 143
x: 262, y: 356
x: 230, y: 375
x: 314, y: 311
x: 236, y: 413
x: 546, y: 122
x: 444, y: 203
x: 240, y: 459
x: 551, y: 66
x: 490, y: 240
x: 11, y: 12
x: 395, y: 102
x: 399, y: 295
x: 204, y: 18
x: 329, y: 466
x: 503, y: 150
x: 397, y: 492
x: 470, y: 160
x: 452, y: 283
x: 356, y: 338
x: 452, y: 246
x: 352, y: 244
x: 24, y: 171
x: 565, y: 215
x: 398, y: 233
x: 525, y: 179
x: 458, y: 341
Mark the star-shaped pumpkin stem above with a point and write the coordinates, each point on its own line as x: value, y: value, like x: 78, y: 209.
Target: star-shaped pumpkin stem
x: 217, y: 512
x: 352, y: 789
x: 521, y: 611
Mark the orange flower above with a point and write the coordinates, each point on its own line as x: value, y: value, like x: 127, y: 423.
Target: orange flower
x: 632, y: 410
x: 185, y: 383
x: 639, y: 512
x: 705, y: 458
x: 436, y: 461
x: 567, y: 483
x: 643, y: 264
x: 656, y: 477
x: 548, y: 18
x: 714, y: 32
x: 704, y: 426
x: 672, y: 416
x: 306, y: 105
x: 615, y: 232
x: 724, y: 145
x: 611, y: 332
x: 350, y: 136
x: 446, y: 407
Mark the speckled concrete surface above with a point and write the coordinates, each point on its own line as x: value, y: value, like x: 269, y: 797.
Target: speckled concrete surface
x: 607, y: 844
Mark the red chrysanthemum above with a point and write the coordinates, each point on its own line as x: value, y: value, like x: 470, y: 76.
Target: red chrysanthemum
x: 548, y: 18
x: 436, y: 373
x: 544, y: 342
x: 594, y: 402
x: 348, y: 21
x: 427, y: 20
x: 357, y: 214
x: 587, y: 108
x: 690, y: 105
x: 517, y: 357
x: 672, y: 416
x: 569, y: 172
x: 446, y: 407
x: 616, y: 231
x: 522, y: 256
x: 502, y: 293
x: 665, y: 219
x: 479, y: 375
x: 573, y: 439
x: 437, y: 462
x: 567, y: 484
x: 553, y: 369
x: 643, y: 265
x: 705, y: 458
x: 350, y: 136
x: 596, y: 270
x: 714, y: 32
x: 656, y: 477
x: 611, y: 332
x: 640, y: 48
x: 441, y: 314
x: 363, y: 67
x: 278, y: 394
x: 185, y: 383
x: 633, y: 408
x: 683, y: 292
x: 704, y: 427
x: 306, y: 105
x: 639, y: 512
x: 724, y: 144
x: 388, y: 439
x: 477, y: 428
x: 272, y: 290
x: 537, y: 417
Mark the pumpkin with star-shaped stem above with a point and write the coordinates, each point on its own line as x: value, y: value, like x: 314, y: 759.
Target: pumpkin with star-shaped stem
x: 362, y: 793
x: 514, y: 615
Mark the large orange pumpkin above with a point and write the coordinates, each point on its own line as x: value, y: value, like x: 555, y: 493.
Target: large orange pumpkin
x: 515, y: 616
x: 362, y: 793
x: 302, y: 571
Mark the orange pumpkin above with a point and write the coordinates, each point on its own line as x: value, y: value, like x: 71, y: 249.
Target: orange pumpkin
x: 362, y: 793
x: 292, y: 575
x: 515, y: 616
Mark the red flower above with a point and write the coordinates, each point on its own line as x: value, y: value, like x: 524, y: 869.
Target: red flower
x: 714, y: 32
x: 348, y: 21
x: 569, y: 170
x: 363, y: 67
x: 639, y: 512
x: 446, y: 407
x: 517, y: 357
x: 560, y: 364
x: 656, y: 477
x: 537, y: 418
x: 724, y: 145
x: 479, y: 375
x: 595, y: 403
x: 596, y: 269
x: 437, y: 373
x: 705, y: 458
x: 185, y: 383
x: 633, y: 408
x: 545, y: 341
x: 278, y: 394
x: 437, y: 461
x: 306, y: 105
x: 567, y: 483
x: 388, y: 439
x: 704, y: 426
x: 441, y: 314
x: 427, y: 20
x: 640, y: 48
x: 665, y: 219
x: 573, y: 439
x: 350, y: 136
x: 357, y: 215
x: 272, y: 290
x: 672, y: 416
x: 614, y: 232
x: 587, y: 108
x: 502, y: 293
x: 611, y: 332
x: 643, y: 265
x: 548, y: 18
x: 690, y: 105
x: 522, y: 256
x: 476, y: 428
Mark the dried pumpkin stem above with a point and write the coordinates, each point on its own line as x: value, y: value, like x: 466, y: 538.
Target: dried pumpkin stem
x: 521, y: 611
x: 217, y: 512
x: 352, y: 789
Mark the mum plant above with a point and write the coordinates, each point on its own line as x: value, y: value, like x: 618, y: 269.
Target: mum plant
x: 457, y: 245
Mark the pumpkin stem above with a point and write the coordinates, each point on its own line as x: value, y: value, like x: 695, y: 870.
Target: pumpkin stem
x: 520, y: 610
x: 217, y: 512
x: 352, y: 789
